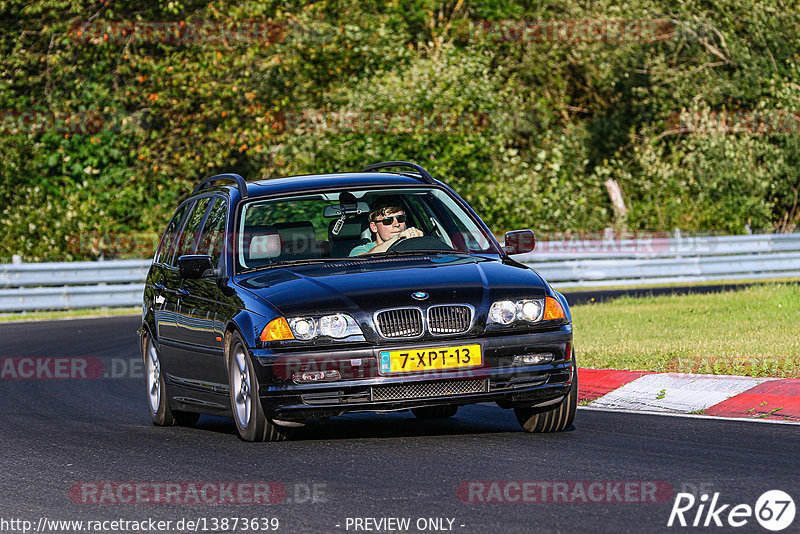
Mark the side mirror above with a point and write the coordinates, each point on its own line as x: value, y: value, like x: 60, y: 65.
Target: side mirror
x: 519, y: 242
x: 192, y: 267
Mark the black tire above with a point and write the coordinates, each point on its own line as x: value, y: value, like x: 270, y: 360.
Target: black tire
x: 556, y: 419
x: 435, y: 412
x: 159, y: 405
x: 245, y: 403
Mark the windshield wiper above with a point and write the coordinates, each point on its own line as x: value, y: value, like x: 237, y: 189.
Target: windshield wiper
x: 315, y: 261
x: 287, y: 263
x: 418, y: 253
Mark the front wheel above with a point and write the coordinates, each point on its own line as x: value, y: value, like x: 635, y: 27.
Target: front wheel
x: 555, y: 419
x: 245, y: 403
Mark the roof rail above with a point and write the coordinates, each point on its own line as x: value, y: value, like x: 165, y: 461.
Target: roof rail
x: 426, y: 177
x: 231, y: 177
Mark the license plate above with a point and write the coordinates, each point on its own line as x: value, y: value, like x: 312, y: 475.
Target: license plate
x: 408, y: 361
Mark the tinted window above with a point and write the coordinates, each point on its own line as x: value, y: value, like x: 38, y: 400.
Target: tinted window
x: 214, y: 232
x: 168, y: 239
x: 468, y: 232
x: 319, y: 226
x: 191, y: 229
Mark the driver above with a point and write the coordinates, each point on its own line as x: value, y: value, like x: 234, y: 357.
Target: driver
x: 388, y: 222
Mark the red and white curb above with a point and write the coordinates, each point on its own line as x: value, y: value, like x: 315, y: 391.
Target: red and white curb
x: 715, y: 395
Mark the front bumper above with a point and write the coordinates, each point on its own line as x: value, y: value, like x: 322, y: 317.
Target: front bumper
x: 362, y: 388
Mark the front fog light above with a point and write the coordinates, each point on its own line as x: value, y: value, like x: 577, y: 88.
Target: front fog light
x: 533, y: 359
x: 316, y: 376
x: 502, y: 312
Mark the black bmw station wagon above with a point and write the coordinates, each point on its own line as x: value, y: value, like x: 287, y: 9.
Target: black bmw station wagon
x: 283, y: 300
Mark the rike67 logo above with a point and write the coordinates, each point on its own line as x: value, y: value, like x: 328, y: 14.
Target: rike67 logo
x: 774, y: 511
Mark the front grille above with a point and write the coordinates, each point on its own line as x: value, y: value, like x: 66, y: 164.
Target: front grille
x: 401, y: 322
x: 428, y: 389
x: 449, y: 319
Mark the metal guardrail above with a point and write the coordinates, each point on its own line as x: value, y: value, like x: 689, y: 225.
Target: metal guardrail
x: 71, y: 297
x: 645, y: 247
x: 566, y: 264
x: 648, y: 261
x: 85, y: 284
x: 73, y: 273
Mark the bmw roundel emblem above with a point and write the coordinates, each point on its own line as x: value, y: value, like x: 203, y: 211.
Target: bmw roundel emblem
x: 419, y: 295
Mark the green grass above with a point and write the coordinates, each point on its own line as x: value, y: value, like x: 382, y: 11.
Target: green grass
x: 68, y: 314
x: 750, y: 332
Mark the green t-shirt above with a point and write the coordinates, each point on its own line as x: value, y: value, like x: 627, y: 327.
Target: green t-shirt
x: 366, y: 247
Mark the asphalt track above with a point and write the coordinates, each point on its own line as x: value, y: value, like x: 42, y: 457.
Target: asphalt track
x: 59, y: 433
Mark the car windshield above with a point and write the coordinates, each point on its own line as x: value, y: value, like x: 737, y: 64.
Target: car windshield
x: 355, y: 224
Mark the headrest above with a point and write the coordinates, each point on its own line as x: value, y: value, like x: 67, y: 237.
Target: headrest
x: 298, y: 238
x: 261, y: 242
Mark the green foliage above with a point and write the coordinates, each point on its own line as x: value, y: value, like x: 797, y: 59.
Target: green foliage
x: 715, y: 181
x: 539, y: 125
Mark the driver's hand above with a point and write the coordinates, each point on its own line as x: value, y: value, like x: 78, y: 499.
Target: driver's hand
x: 411, y: 232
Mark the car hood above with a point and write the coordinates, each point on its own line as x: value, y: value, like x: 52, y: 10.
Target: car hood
x: 361, y: 287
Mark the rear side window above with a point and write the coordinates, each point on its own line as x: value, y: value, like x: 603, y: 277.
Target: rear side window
x: 170, y: 234
x: 191, y: 230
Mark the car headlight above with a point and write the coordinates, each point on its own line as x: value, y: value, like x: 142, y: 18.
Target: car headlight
x: 529, y: 310
x: 337, y: 326
x: 502, y: 312
x: 303, y: 327
x: 505, y: 312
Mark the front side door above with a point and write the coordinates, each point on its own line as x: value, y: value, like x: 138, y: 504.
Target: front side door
x: 199, y: 329
x: 173, y: 331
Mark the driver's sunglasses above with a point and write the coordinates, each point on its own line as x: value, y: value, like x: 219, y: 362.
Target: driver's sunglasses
x: 387, y: 221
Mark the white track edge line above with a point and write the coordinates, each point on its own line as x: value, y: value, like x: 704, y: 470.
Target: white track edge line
x: 692, y: 415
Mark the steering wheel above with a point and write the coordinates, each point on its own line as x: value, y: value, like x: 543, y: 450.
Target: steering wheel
x: 425, y: 242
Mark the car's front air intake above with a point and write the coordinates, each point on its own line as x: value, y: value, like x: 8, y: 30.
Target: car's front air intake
x: 449, y: 319
x: 400, y: 322
x: 421, y: 390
